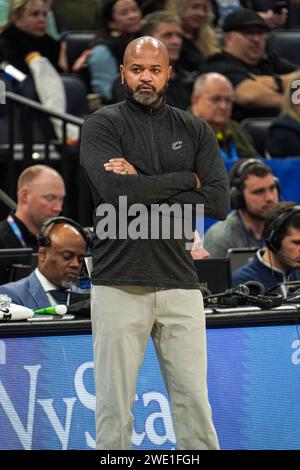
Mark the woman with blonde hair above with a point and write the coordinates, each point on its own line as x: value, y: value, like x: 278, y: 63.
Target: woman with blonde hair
x: 199, y: 38
x: 283, y: 138
x: 25, y: 44
x: 25, y: 32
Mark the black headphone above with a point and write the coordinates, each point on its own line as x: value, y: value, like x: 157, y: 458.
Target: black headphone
x: 250, y: 293
x: 45, y: 240
x: 237, y: 179
x: 258, y: 290
x: 274, y: 233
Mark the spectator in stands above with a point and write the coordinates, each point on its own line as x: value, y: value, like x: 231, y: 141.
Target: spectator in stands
x: 279, y: 261
x: 254, y: 192
x: 212, y: 100
x: 41, y: 191
x: 199, y: 39
x: 120, y: 22
x: 283, y: 138
x: 259, y: 79
x: 62, y: 247
x: 26, y: 32
x: 165, y: 26
x: 273, y: 12
x: 51, y: 24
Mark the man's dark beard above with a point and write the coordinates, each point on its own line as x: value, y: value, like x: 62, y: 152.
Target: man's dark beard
x: 147, y: 99
x: 257, y: 217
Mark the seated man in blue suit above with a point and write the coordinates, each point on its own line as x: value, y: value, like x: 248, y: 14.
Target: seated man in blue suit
x: 62, y: 247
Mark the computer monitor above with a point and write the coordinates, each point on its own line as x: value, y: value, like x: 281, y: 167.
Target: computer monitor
x: 9, y: 256
x: 11, y: 261
x: 240, y: 256
x: 214, y: 274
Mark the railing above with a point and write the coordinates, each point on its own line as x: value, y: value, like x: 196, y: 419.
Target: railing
x: 7, y: 200
x: 77, y: 193
x: 14, y: 100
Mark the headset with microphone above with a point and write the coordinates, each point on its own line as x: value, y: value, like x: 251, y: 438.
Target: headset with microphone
x: 275, y: 232
x: 45, y: 240
x: 237, y: 179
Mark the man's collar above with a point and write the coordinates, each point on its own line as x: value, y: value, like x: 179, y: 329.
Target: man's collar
x: 260, y: 254
x: 46, y: 284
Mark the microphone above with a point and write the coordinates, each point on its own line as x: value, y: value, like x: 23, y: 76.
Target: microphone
x: 53, y: 310
x: 250, y: 293
x: 241, y: 289
x: 15, y: 312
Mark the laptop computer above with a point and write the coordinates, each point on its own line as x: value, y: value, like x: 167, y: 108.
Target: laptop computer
x: 214, y: 274
x: 240, y: 256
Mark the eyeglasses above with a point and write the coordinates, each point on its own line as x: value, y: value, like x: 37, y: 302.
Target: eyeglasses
x: 252, y: 32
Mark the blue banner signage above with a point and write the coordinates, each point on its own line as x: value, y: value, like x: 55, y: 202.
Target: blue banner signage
x: 47, y: 394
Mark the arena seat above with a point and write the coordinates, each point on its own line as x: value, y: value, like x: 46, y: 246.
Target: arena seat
x: 285, y: 43
x: 257, y: 128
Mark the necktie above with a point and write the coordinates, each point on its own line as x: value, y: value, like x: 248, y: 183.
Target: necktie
x: 60, y: 296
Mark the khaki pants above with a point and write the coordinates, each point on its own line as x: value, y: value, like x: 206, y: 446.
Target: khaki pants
x: 123, y: 318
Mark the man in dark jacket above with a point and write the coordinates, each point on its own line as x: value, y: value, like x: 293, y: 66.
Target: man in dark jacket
x: 259, y: 79
x: 40, y: 192
x: 157, y: 161
x: 166, y: 27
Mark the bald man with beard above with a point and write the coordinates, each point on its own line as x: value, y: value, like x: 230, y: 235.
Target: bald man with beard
x: 59, y: 262
x: 136, y: 155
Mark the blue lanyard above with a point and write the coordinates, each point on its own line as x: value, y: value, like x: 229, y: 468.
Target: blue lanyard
x: 16, y: 229
x: 232, y: 155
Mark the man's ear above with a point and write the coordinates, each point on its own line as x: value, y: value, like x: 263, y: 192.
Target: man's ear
x: 23, y: 195
x: 42, y: 253
x: 122, y: 73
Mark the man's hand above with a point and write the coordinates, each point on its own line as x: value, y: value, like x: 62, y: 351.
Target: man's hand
x: 198, y: 182
x: 120, y: 166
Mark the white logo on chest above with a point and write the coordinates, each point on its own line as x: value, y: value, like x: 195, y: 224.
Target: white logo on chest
x: 177, y: 145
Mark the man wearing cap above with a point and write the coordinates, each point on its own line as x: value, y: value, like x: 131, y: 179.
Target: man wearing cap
x: 259, y: 78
